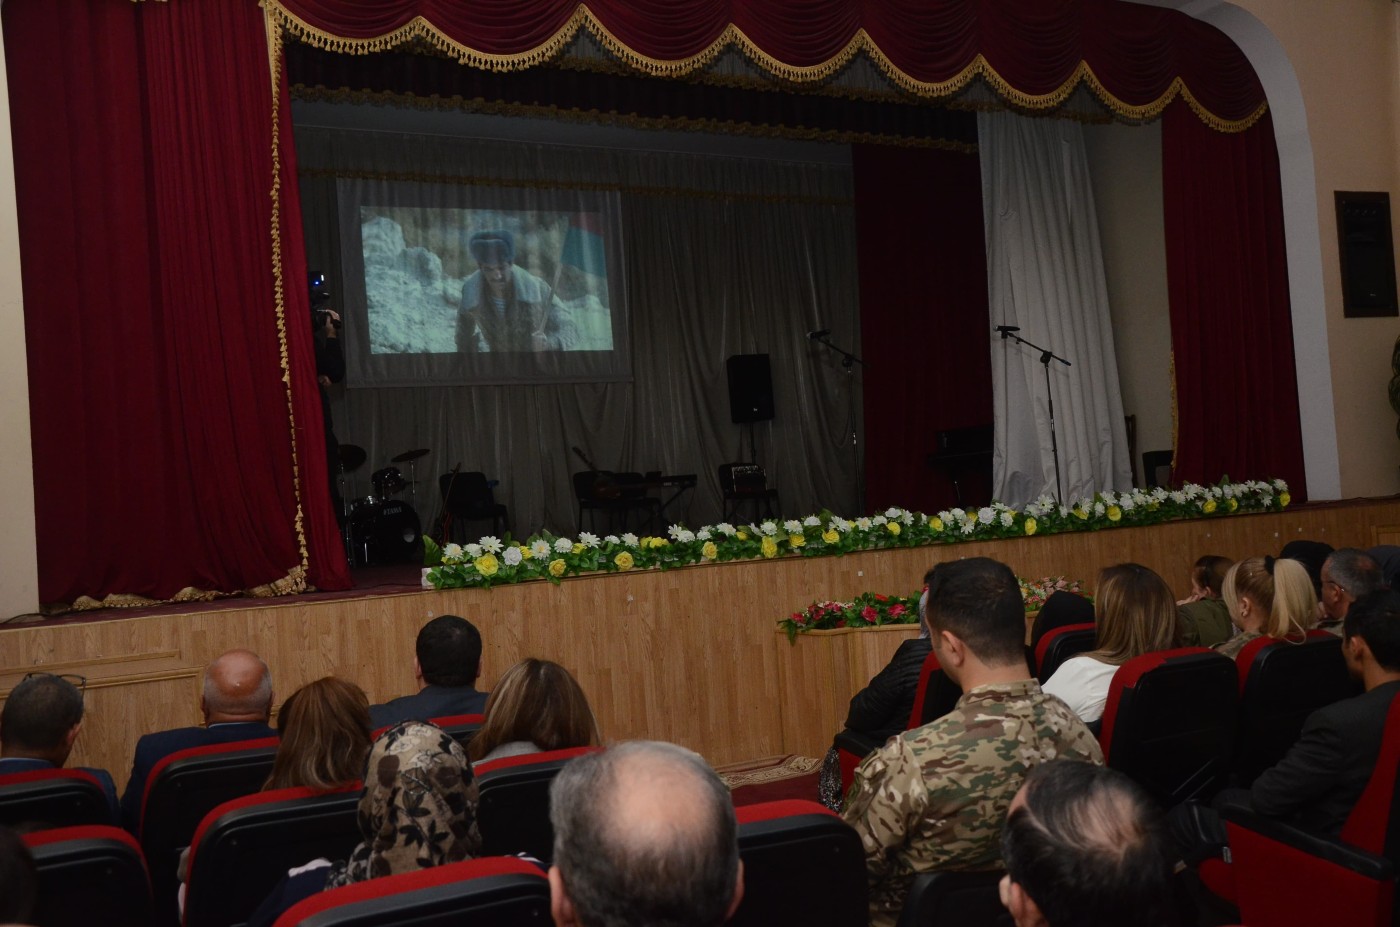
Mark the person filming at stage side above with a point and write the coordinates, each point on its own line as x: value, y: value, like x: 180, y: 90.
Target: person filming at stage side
x: 505, y: 308
x: 330, y: 369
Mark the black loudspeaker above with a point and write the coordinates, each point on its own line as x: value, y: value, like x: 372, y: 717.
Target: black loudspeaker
x: 750, y: 388
x: 1368, y: 258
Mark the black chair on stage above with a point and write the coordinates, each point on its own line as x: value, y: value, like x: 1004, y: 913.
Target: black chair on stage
x: 747, y: 484
x: 618, y: 495
x: 468, y: 497
x: 1157, y: 468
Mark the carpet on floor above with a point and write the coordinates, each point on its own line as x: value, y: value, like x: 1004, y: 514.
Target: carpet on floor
x: 772, y: 778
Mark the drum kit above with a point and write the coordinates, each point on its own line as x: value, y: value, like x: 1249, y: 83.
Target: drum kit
x: 379, y: 529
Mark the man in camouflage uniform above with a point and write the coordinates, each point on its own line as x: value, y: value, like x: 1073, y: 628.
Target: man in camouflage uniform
x: 935, y: 797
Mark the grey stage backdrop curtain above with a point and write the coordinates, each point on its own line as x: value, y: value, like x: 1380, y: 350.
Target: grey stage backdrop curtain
x: 722, y: 256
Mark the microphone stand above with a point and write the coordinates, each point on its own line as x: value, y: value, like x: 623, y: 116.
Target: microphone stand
x: 848, y: 362
x: 1046, y: 356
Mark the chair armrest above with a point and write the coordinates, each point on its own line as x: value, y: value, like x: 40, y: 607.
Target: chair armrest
x: 1365, y: 864
x: 856, y: 743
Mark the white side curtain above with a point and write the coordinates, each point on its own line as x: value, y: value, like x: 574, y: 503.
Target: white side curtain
x: 1045, y: 275
x: 722, y: 256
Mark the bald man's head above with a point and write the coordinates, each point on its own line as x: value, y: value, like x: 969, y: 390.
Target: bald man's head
x: 644, y: 833
x: 237, y: 687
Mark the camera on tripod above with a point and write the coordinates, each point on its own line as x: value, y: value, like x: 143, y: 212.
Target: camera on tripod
x: 320, y: 296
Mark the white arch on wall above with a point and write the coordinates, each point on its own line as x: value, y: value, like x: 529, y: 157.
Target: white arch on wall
x: 1302, y: 237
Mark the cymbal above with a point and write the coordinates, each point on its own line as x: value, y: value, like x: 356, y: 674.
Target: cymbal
x: 406, y: 456
x: 351, y: 456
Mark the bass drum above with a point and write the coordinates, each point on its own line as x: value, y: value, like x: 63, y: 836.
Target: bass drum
x: 387, y: 532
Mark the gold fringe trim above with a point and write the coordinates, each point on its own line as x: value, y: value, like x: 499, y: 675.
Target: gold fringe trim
x: 584, y: 18
x: 274, y: 63
x: 291, y: 584
x: 628, y: 120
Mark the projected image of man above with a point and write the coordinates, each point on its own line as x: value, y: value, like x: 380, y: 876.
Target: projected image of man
x: 505, y: 307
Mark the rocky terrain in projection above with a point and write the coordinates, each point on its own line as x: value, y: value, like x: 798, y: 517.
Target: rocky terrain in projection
x: 413, y: 303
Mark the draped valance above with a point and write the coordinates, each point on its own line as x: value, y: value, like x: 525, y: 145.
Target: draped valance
x: 1034, y: 56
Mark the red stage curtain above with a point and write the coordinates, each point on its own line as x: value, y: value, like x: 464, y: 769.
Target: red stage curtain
x: 161, y: 427
x: 1035, y: 53
x: 1227, y: 278
x: 924, y: 324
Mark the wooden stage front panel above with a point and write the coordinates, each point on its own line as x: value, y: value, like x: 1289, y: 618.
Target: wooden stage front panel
x: 689, y: 655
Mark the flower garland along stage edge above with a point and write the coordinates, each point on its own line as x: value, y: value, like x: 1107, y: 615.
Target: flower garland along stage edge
x: 492, y: 560
x: 872, y: 609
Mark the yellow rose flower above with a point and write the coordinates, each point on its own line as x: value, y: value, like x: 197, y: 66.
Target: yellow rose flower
x: 557, y: 568
x: 935, y: 523
x: 972, y: 518
x: 624, y: 561
x: 1283, y: 499
x: 893, y: 528
x: 709, y: 551
x: 1209, y: 507
x: 1030, y: 526
x: 659, y: 542
x: 579, y: 548
x: 486, y: 564
x: 1081, y: 514
x: 1232, y: 505
x: 1114, y: 513
x: 769, y: 547
x: 525, y: 552
x: 742, y: 535
x: 830, y: 536
x: 796, y: 540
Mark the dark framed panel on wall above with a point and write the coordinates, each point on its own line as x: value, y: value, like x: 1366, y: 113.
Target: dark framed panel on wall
x: 1368, y: 254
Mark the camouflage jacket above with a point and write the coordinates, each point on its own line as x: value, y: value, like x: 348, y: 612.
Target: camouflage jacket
x: 935, y: 797
x: 1234, y: 645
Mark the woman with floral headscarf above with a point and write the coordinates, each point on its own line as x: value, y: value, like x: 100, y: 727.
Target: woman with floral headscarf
x: 418, y: 810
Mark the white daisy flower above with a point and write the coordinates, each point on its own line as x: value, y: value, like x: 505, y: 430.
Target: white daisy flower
x: 473, y: 550
x: 792, y: 526
x: 812, y: 521
x: 612, y: 539
x: 491, y: 544
x: 588, y: 539
x: 703, y: 534
x: 630, y: 539
x: 539, y: 547
x: 563, y: 546
x: 726, y: 529
x: 452, y: 552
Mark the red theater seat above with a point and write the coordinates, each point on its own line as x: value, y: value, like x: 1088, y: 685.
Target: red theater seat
x: 802, y: 865
x: 52, y: 798
x: 1281, y: 683
x: 461, y: 728
x: 182, y: 788
x: 513, y: 812
x: 244, y: 846
x: 1286, y: 877
x: 1170, y: 722
x: 1059, y: 644
x: 89, y: 875
x: 487, y: 892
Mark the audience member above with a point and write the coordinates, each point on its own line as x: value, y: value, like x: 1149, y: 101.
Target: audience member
x: 325, y: 736
x: 882, y: 708
x: 1312, y: 555
x: 418, y: 811
x: 1387, y: 557
x: 1136, y: 615
x: 1084, y: 846
x: 536, y: 706
x: 447, y: 665
x: 236, y: 705
x: 1205, y: 619
x: 644, y: 834
x: 1347, y: 575
x: 935, y: 797
x: 39, y: 725
x: 1267, y: 598
x: 19, y: 881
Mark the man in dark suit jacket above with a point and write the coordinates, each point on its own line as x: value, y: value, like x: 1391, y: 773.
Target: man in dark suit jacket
x: 39, y: 725
x: 236, y: 704
x: 447, y: 666
x: 1320, y: 779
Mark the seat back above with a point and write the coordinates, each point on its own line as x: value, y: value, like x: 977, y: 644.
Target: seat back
x: 1062, y: 608
x: 1170, y: 722
x: 89, y: 875
x: 182, y: 788
x: 1059, y: 644
x: 467, y: 495
x: 52, y: 798
x: 243, y: 848
x: 1373, y: 824
x: 461, y: 728
x: 802, y: 865
x: 955, y: 899
x: 936, y: 695
x: 1281, y: 683
x: 486, y: 892
x: 513, y: 811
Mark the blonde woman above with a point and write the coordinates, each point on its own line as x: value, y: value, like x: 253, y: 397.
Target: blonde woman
x: 536, y: 706
x: 1267, y: 598
x: 1136, y: 614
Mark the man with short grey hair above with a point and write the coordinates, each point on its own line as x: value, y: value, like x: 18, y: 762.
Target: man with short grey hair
x: 236, y: 704
x: 39, y: 725
x: 1347, y: 575
x: 644, y: 834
